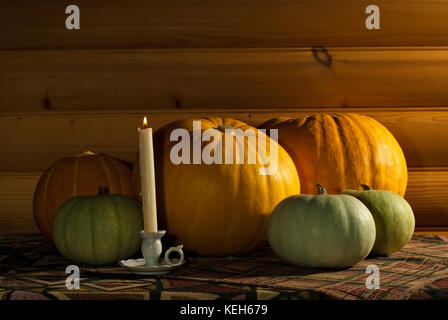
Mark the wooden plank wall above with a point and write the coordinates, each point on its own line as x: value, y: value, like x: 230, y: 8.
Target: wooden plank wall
x: 124, y: 24
x: 223, y: 78
x: 63, y: 92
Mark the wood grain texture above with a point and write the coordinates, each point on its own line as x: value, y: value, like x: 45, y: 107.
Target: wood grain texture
x: 432, y: 231
x: 33, y: 141
x: 16, y: 202
x: 27, y: 24
x: 426, y: 194
x: 233, y: 78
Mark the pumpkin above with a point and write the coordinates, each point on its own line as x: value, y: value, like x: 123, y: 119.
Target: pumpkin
x: 394, y: 219
x: 99, y: 229
x: 76, y: 176
x: 341, y: 151
x: 218, y: 209
x: 321, y: 231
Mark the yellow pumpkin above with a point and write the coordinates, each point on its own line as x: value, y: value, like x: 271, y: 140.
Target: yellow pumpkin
x: 73, y: 176
x: 217, y: 209
x: 342, y: 151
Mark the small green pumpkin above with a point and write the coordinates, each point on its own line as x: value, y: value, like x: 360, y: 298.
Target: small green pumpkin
x: 99, y: 229
x: 394, y: 219
x: 325, y: 231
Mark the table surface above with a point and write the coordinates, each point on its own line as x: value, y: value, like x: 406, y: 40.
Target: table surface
x: 31, y: 268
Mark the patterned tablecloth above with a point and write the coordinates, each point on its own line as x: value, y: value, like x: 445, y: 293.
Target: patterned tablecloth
x: 31, y: 268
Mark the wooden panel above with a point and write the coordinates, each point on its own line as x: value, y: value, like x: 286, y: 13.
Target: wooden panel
x: 220, y: 23
x: 188, y: 79
x: 432, y: 231
x: 16, y: 202
x: 32, y: 141
x: 426, y: 193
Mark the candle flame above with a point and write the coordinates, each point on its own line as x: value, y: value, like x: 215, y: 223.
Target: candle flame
x: 145, y: 123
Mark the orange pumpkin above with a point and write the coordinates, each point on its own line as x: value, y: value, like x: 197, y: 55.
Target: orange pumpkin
x: 217, y: 209
x: 342, y: 151
x: 76, y: 176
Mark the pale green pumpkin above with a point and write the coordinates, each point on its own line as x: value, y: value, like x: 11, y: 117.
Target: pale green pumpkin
x: 326, y: 231
x: 98, y: 229
x: 394, y: 219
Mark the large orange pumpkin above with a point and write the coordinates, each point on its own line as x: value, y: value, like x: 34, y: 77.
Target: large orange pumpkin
x: 73, y: 176
x: 342, y: 151
x: 217, y: 209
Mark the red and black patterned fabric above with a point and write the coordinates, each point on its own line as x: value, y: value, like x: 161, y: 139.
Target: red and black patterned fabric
x: 31, y: 268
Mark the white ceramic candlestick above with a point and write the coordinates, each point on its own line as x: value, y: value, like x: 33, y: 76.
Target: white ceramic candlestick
x: 151, y: 263
x: 151, y: 237
x: 151, y: 246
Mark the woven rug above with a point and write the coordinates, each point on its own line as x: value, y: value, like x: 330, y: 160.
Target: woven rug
x: 31, y: 268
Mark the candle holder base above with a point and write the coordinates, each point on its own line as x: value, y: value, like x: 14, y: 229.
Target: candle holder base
x: 151, y: 264
x: 138, y: 266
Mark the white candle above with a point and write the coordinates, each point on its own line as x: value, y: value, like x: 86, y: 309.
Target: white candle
x: 148, y: 178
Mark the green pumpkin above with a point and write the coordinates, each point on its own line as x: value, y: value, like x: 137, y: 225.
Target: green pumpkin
x: 98, y: 229
x: 394, y: 219
x: 325, y: 231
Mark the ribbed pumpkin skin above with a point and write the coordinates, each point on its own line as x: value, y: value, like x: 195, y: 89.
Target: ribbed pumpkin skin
x: 323, y: 231
x: 394, y: 219
x: 217, y: 209
x: 342, y: 151
x: 76, y: 176
x: 98, y: 229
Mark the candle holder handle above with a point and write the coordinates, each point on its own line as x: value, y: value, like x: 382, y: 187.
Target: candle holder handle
x: 177, y: 249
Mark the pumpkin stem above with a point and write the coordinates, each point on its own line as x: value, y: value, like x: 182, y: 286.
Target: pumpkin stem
x: 86, y: 153
x: 321, y: 190
x: 101, y: 190
x: 365, y: 187
x: 223, y: 127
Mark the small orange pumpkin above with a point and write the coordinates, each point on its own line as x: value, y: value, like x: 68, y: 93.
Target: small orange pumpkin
x: 342, y: 151
x: 73, y: 176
